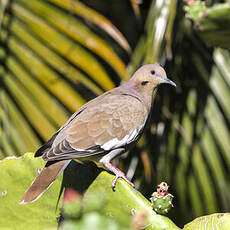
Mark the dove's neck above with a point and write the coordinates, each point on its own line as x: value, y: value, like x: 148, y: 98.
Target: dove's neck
x: 145, y: 96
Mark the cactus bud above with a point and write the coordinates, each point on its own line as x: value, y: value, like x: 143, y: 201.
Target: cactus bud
x: 161, y: 200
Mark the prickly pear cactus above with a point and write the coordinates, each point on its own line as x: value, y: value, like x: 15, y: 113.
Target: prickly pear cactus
x: 220, y: 221
x: 211, y: 23
x: 161, y: 200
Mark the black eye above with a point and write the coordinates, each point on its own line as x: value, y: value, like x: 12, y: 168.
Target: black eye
x: 152, y: 72
x: 144, y: 82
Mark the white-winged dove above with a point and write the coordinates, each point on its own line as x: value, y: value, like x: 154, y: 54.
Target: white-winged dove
x: 100, y: 130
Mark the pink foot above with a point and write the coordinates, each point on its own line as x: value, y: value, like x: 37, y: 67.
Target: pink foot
x: 118, y: 173
x: 123, y: 176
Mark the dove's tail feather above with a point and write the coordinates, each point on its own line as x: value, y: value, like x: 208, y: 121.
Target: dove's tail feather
x: 42, y: 182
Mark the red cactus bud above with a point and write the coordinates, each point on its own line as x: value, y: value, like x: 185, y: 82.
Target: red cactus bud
x: 70, y: 195
x: 162, y: 189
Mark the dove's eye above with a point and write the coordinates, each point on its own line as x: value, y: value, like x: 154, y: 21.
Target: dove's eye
x: 152, y: 72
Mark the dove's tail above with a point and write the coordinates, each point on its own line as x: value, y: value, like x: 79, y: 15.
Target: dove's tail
x: 42, y: 182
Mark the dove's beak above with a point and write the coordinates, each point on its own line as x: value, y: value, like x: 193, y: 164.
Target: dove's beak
x: 168, y: 81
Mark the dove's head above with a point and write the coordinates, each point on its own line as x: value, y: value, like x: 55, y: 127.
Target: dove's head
x: 144, y: 82
x: 148, y: 77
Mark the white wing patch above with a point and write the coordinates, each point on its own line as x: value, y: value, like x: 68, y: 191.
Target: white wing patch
x: 132, y: 135
x: 115, y: 143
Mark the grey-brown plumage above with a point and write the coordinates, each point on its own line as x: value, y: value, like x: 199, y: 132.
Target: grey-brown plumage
x: 102, y: 129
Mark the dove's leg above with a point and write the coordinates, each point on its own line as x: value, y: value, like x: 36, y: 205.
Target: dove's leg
x: 118, y: 173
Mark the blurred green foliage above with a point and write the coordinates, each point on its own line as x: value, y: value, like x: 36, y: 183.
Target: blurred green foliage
x: 55, y: 55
